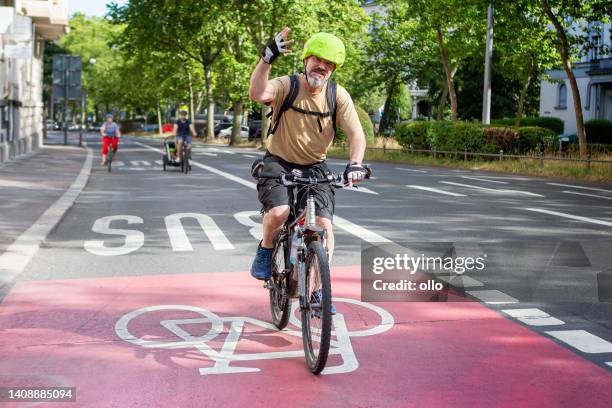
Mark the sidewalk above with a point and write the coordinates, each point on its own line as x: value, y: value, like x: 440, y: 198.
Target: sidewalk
x: 32, y: 184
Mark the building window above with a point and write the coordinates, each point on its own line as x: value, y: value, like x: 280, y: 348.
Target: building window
x: 562, y: 98
x: 595, y: 47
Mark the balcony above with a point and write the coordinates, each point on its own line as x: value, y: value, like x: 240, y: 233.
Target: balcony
x: 49, y: 16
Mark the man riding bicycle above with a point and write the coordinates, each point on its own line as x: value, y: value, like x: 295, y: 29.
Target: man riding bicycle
x: 183, y: 130
x: 302, y: 133
x: 110, y: 135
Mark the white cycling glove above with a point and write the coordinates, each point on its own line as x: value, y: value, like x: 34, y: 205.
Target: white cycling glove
x: 276, y: 47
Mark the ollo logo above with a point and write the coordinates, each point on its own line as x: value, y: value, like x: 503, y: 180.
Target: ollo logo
x: 232, y: 328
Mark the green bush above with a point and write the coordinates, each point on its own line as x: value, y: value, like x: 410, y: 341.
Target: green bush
x: 532, y: 139
x: 503, y: 137
x: 412, y: 134
x: 599, y: 131
x: 554, y: 124
x: 366, y: 125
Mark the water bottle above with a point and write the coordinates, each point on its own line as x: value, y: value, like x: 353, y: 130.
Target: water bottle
x: 294, y: 246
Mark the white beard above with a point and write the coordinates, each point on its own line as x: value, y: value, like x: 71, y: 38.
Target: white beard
x: 316, y: 83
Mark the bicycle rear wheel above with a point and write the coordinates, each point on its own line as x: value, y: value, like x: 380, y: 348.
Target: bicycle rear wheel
x: 316, y: 316
x: 280, y: 303
x: 185, y: 160
x: 109, y: 159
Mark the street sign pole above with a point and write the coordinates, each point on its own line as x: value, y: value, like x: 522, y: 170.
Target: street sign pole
x: 66, y: 60
x: 486, y: 94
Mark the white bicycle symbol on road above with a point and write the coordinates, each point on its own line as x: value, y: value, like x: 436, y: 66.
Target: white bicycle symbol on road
x: 341, y: 345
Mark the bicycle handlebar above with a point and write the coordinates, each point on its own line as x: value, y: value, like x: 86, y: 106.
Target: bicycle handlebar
x: 288, y: 179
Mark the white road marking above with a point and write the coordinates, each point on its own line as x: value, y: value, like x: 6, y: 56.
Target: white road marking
x: 363, y: 233
x: 462, y: 171
x: 205, y: 154
x: 570, y: 216
x: 178, y: 237
x: 118, y: 163
x: 160, y: 162
x: 214, y: 149
x: 413, y: 170
x: 250, y: 156
x: 462, y: 281
x: 484, y: 179
x: 492, y: 297
x: 609, y: 363
x: 140, y: 163
x: 360, y: 189
x: 580, y: 187
x: 587, y: 195
x: 256, y: 228
x: 583, y: 341
x: 435, y: 190
x: 533, y: 317
x: 17, y: 256
x: 134, y: 239
x: 135, y: 168
x: 25, y: 185
x: 492, y: 190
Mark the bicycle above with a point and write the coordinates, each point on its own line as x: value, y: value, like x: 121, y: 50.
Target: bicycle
x: 109, y: 156
x: 300, y: 267
x: 185, y: 166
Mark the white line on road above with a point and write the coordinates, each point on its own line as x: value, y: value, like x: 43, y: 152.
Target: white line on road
x: 492, y: 297
x: 140, y: 163
x: 360, y: 189
x: 361, y: 232
x: 583, y: 341
x: 250, y: 156
x: 570, y: 216
x: 587, y: 194
x: 492, y: 190
x: 17, y: 256
x: 484, y: 179
x: 413, y: 170
x: 205, y: 154
x: 461, y: 281
x: 435, y: 190
x: 580, y: 187
x: 533, y: 317
x: 214, y: 149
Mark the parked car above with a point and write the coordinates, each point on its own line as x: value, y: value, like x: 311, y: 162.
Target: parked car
x: 227, y: 132
x: 255, y: 129
x: 223, y: 125
x: 51, y: 125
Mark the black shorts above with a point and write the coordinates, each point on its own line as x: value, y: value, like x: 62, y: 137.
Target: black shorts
x: 273, y: 194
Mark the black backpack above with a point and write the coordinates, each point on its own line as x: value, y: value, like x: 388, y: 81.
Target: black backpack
x: 294, y: 89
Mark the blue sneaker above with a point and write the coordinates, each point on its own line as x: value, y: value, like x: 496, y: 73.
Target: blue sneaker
x: 262, y: 264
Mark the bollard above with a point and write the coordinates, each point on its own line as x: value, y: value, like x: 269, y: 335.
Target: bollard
x: 81, y: 138
x: 434, y: 152
x: 501, y: 155
x: 588, y: 162
x: 541, y: 159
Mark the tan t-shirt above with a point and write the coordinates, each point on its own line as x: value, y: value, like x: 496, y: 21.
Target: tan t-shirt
x: 298, y: 138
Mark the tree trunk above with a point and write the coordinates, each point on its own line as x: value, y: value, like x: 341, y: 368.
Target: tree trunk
x: 210, y: 120
x: 159, y: 117
x: 448, y: 73
x: 442, y: 104
x: 521, y: 102
x: 237, y: 106
x: 191, y: 111
x: 567, y: 66
x: 384, y: 121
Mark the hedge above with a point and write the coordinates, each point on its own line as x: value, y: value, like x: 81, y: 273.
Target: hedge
x: 555, y: 124
x: 475, y: 137
x: 599, y: 131
x: 366, y: 124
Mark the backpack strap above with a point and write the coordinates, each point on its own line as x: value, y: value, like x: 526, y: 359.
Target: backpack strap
x: 294, y: 89
x: 331, y: 101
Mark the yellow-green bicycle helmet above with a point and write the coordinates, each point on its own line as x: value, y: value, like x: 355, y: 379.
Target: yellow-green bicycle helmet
x: 325, y: 46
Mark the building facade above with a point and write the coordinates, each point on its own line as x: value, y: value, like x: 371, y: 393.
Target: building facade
x: 594, y: 78
x: 25, y: 25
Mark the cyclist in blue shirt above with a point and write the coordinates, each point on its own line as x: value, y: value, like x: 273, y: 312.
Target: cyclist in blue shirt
x: 183, y: 130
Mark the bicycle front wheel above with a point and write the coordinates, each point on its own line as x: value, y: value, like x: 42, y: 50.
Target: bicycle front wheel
x: 109, y: 159
x: 316, y: 316
x: 280, y: 303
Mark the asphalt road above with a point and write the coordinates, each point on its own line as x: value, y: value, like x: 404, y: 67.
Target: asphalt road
x: 135, y: 238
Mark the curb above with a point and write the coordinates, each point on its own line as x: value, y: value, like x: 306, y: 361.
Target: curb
x: 17, y: 256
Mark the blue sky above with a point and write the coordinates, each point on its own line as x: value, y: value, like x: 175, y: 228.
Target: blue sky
x: 90, y: 7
